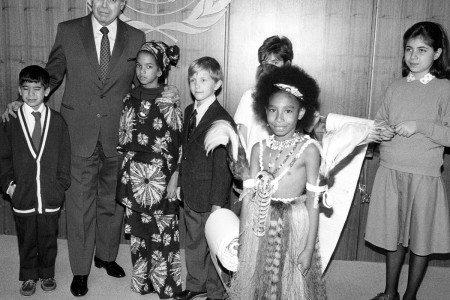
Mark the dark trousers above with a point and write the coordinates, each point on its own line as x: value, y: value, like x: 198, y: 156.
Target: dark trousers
x: 94, y: 218
x: 37, y: 237
x: 201, y: 274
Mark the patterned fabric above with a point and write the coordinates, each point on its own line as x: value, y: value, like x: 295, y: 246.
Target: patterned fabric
x: 156, y: 261
x: 165, y: 55
x: 150, y: 134
x: 425, y: 79
x: 105, y: 53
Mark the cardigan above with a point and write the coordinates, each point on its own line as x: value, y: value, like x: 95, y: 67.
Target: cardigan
x: 41, y: 175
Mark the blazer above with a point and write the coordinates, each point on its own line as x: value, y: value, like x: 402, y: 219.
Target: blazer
x: 42, y: 175
x: 204, y: 180
x: 91, y: 108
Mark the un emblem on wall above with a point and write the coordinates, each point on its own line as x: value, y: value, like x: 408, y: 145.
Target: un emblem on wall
x: 203, y: 14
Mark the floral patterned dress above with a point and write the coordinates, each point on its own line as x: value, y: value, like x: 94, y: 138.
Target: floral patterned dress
x: 150, y: 135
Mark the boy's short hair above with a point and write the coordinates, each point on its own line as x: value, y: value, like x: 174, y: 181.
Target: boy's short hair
x: 34, y: 74
x: 208, y: 64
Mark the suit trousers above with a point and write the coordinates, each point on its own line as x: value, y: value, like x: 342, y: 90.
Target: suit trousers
x: 94, y: 218
x: 37, y: 239
x: 201, y: 273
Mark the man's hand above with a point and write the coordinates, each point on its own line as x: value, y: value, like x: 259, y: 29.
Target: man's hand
x: 10, y: 110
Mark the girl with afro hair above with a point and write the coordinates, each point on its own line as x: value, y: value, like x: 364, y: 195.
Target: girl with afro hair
x: 278, y: 252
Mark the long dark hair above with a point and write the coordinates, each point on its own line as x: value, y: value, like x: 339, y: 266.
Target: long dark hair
x: 434, y: 35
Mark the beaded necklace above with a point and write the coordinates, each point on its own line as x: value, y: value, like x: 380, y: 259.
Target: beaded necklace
x: 295, y: 141
x: 280, y: 145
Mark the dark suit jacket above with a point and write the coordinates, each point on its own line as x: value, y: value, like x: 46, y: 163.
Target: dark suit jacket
x: 91, y: 108
x: 41, y: 176
x: 204, y: 180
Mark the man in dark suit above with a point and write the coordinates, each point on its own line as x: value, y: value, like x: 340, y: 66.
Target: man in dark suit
x: 94, y: 54
x: 98, y: 70
x: 205, y: 181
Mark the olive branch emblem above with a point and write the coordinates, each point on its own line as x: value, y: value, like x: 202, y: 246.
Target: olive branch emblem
x: 205, y: 14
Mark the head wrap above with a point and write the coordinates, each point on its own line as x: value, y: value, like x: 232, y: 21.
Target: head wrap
x: 164, y: 55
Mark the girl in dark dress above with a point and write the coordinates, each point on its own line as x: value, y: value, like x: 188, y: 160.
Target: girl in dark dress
x: 150, y: 137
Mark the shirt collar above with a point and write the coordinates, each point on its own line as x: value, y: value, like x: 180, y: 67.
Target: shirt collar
x: 206, y: 103
x: 28, y: 110
x: 425, y: 79
x: 96, y: 26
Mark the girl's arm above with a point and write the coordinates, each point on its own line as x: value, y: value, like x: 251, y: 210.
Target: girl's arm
x: 312, y: 164
x: 386, y: 130
x: 438, y: 131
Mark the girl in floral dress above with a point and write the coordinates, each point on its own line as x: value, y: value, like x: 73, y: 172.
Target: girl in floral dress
x: 150, y: 137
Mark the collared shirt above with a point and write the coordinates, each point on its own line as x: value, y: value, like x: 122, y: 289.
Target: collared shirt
x: 425, y: 79
x: 96, y: 26
x: 206, y: 103
x: 29, y: 118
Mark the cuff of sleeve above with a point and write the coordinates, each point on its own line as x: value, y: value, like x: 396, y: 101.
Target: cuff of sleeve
x: 424, y: 127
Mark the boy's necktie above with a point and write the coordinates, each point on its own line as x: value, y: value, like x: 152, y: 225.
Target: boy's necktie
x: 192, y: 123
x: 36, y: 136
x: 105, y: 54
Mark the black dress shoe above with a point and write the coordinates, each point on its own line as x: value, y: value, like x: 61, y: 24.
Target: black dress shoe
x: 187, y: 295
x: 111, y: 267
x: 79, y: 285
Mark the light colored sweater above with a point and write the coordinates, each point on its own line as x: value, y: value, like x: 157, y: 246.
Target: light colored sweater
x: 428, y: 105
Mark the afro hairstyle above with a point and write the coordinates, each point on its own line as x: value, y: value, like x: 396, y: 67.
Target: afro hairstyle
x: 291, y: 75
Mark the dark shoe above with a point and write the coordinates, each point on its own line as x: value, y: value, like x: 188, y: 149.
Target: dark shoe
x: 111, y: 267
x: 79, y: 285
x: 48, y: 284
x: 187, y: 295
x: 383, y: 296
x: 28, y: 288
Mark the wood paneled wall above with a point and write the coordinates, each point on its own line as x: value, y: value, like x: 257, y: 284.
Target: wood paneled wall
x: 351, y: 47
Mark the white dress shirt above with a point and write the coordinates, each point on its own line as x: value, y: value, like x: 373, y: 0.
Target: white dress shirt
x: 29, y: 118
x: 206, y: 103
x: 96, y: 26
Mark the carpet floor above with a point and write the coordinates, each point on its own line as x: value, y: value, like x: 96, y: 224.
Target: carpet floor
x: 346, y: 280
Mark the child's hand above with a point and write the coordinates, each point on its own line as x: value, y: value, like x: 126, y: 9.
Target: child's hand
x: 172, y: 187
x: 385, y: 133
x: 170, y: 92
x: 304, y: 261
x: 214, y: 208
x: 406, y: 128
x: 11, y: 190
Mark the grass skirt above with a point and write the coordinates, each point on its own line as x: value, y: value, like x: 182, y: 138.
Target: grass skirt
x: 268, y: 265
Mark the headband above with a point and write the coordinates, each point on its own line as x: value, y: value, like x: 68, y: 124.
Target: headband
x: 290, y: 89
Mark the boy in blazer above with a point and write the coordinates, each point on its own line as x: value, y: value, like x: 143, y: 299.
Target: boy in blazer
x: 205, y: 181
x: 35, y: 172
